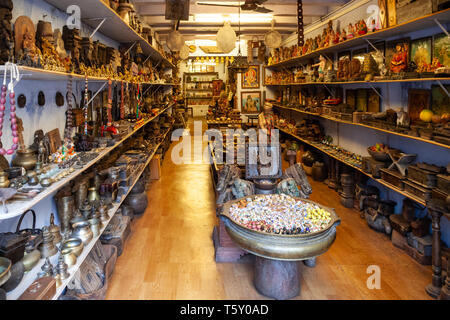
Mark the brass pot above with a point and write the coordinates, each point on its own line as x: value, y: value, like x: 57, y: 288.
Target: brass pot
x: 69, y: 257
x: 94, y: 197
x: 31, y: 259
x: 83, y: 232
x: 4, y: 182
x: 75, y: 245
x: 25, y: 158
x: 137, y: 201
x: 66, y: 207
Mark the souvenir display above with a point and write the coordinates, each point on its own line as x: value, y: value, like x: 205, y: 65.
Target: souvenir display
x: 397, y: 56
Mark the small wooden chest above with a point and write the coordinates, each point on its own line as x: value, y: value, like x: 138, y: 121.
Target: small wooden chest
x: 41, y: 289
x: 393, y: 177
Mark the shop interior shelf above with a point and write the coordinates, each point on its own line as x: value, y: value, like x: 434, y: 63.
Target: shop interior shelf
x: 366, y: 126
x: 358, y: 82
x: 384, y: 183
x: 17, y: 207
x: 404, y: 28
x: 114, y: 27
x: 29, y: 73
x: 31, y: 276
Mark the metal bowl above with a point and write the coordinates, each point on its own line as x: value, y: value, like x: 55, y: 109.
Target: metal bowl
x: 73, y: 244
x: 5, y: 270
x: 281, y: 247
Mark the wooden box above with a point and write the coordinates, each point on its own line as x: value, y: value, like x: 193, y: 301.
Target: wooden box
x: 416, y: 255
x: 400, y: 224
x: 418, y: 190
x: 443, y: 183
x: 41, y: 289
x: 408, y: 9
x: 155, y: 168
x: 398, y: 240
x: 117, y: 232
x: 393, y: 177
x: 425, y: 178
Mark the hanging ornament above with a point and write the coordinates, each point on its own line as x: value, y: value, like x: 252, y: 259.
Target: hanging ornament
x: 273, y: 38
x: 12, y: 102
x: 226, y: 38
x: 69, y: 121
x: 184, y: 52
x: 175, y: 41
x: 122, y: 105
x: 85, y: 107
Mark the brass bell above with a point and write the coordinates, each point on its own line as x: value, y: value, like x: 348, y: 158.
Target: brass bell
x: 55, y: 230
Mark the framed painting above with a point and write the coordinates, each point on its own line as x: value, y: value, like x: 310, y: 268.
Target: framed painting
x: 421, y: 52
x: 374, y: 101
x: 418, y: 100
x: 397, y: 55
x: 350, y: 98
x: 440, y: 102
x: 441, y: 49
x: 361, y: 100
x: 250, y: 78
x: 250, y: 102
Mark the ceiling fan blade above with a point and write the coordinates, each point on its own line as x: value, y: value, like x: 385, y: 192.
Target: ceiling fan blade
x: 216, y: 5
x: 262, y: 10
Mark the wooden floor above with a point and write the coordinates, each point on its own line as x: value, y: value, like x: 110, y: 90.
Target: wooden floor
x: 170, y: 253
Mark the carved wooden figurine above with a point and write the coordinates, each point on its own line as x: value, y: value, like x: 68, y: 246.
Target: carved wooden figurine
x: 6, y: 36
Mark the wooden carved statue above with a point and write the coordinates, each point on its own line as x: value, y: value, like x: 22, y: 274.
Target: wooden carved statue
x: 6, y: 36
x: 343, y: 69
x: 27, y: 53
x: 354, y: 69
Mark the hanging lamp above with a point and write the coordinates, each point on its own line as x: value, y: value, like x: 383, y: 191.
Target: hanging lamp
x: 239, y: 64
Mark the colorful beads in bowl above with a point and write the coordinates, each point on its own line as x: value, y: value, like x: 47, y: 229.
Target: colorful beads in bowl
x: 280, y: 214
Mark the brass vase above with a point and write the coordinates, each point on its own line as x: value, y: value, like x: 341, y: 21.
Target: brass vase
x: 4, y: 182
x: 66, y: 208
x: 25, y: 158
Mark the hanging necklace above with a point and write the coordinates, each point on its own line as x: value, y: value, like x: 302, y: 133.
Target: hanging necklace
x: 138, y: 101
x: 69, y: 122
x: 109, y: 105
x: 12, y: 101
x: 122, y: 105
x: 85, y: 109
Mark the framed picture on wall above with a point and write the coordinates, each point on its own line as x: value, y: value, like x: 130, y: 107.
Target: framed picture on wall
x: 397, y: 55
x: 361, y: 100
x: 374, y: 101
x: 250, y: 78
x: 441, y: 49
x: 418, y: 100
x: 440, y: 102
x: 250, y: 102
x: 351, y: 98
x: 421, y: 53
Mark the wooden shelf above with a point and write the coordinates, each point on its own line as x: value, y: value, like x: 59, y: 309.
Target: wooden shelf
x: 384, y: 183
x: 114, y: 27
x: 32, y: 275
x: 17, y: 207
x: 29, y: 73
x: 410, y: 26
x: 366, y: 126
x: 358, y: 82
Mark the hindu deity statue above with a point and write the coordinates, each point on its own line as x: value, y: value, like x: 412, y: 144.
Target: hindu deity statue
x: 399, y: 60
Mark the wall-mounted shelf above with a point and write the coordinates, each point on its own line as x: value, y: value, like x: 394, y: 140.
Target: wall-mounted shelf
x: 17, y: 207
x: 410, y: 26
x: 358, y: 82
x: 366, y: 126
x: 114, y: 27
x: 384, y: 183
x: 32, y: 275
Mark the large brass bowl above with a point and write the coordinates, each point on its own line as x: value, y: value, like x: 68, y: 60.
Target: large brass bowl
x: 281, y: 247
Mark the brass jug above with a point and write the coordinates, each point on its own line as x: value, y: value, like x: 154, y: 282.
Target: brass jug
x: 4, y: 182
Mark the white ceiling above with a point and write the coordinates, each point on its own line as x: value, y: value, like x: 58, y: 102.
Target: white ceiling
x: 284, y: 11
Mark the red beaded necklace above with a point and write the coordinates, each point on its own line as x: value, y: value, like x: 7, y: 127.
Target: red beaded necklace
x: 12, y: 102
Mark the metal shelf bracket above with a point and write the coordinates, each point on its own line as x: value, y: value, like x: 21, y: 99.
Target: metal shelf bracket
x: 442, y: 27
x: 328, y: 89
x: 98, y: 91
x: 443, y: 88
x: 375, y: 48
x: 98, y: 27
x: 132, y: 46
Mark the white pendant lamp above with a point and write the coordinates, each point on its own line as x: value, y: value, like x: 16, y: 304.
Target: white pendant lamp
x: 226, y: 38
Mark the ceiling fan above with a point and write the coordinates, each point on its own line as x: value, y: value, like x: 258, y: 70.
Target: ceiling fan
x: 249, y: 5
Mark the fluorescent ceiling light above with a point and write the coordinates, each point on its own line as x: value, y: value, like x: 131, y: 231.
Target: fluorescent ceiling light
x: 208, y: 43
x: 233, y: 18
